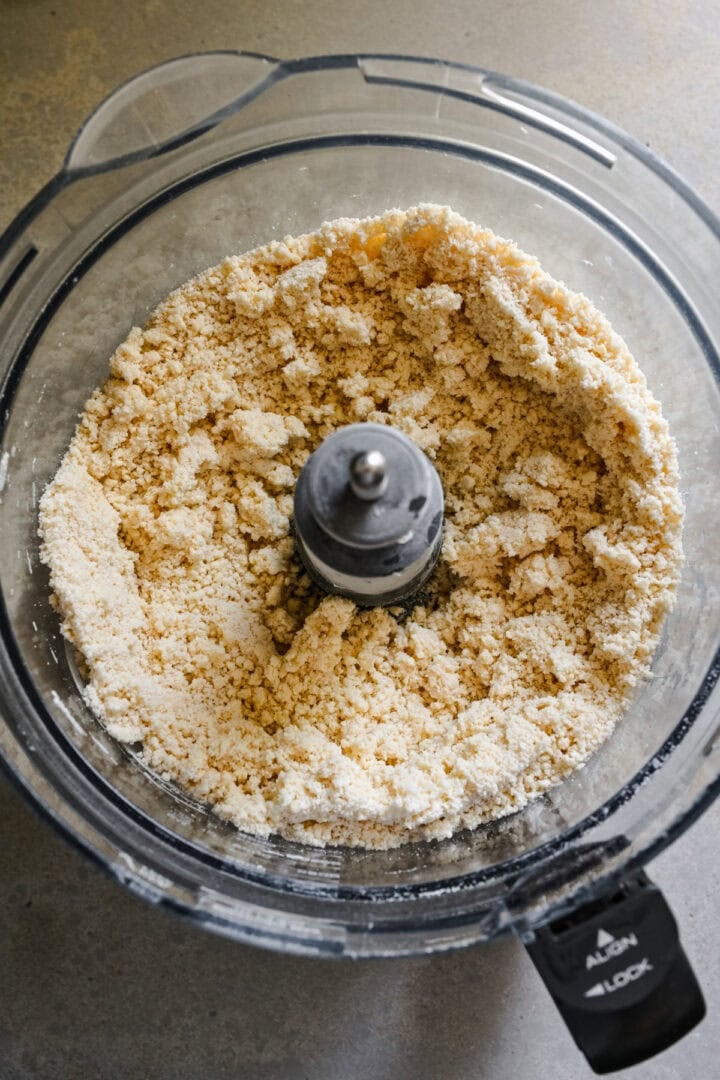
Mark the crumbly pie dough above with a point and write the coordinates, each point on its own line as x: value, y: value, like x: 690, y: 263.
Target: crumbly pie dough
x: 168, y: 536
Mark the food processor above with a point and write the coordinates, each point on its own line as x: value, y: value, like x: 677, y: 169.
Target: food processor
x: 213, y: 154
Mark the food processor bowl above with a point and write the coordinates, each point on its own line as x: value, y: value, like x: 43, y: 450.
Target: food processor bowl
x: 213, y: 154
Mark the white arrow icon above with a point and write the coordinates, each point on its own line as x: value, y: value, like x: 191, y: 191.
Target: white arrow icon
x: 595, y: 991
x: 604, y: 939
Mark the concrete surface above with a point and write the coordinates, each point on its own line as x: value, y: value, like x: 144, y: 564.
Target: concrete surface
x: 94, y: 984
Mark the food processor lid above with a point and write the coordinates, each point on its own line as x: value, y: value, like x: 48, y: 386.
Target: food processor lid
x: 198, y: 118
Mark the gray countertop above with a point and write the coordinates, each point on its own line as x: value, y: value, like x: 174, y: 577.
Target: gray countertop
x: 95, y: 983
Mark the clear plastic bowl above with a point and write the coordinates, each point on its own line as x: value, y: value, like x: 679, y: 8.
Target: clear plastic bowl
x: 213, y: 154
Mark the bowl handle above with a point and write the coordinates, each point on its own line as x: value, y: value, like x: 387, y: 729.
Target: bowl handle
x: 619, y: 975
x: 167, y: 106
